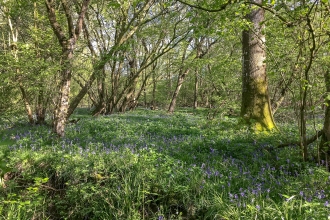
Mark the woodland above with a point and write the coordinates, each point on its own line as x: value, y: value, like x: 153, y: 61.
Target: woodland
x: 164, y: 109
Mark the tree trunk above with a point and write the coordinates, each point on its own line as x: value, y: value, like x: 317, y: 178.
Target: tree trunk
x: 41, y: 107
x: 143, y: 88
x: 324, y: 148
x: 200, y: 53
x: 177, y: 90
x: 255, y: 109
x: 76, y: 100
x: 26, y: 104
x: 169, y: 77
x: 62, y: 105
x: 67, y: 42
x: 154, y: 86
x: 196, y: 91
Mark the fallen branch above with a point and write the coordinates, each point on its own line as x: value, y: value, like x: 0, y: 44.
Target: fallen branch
x: 309, y: 141
x: 51, y: 188
x: 74, y: 121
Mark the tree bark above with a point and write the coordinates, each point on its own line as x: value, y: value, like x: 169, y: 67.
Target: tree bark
x: 40, y: 108
x: 255, y: 108
x: 196, y: 90
x: 177, y: 90
x: 154, y: 87
x: 67, y: 43
x: 76, y: 100
x: 184, y: 72
x: 324, y: 148
x: 26, y: 104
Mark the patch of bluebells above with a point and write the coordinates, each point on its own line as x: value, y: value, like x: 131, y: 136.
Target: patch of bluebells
x: 257, y: 179
x: 264, y: 183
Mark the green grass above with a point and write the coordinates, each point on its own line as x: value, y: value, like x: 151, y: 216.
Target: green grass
x: 152, y: 165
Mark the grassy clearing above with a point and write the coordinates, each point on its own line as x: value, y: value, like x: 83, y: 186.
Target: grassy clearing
x: 151, y: 165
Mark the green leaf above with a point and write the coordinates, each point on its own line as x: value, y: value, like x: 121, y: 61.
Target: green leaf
x: 114, y: 4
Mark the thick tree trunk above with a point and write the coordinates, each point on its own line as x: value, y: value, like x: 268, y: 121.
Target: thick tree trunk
x: 62, y: 105
x: 324, y: 148
x: 255, y: 109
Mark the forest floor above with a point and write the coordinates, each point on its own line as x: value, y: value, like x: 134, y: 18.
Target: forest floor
x: 152, y: 165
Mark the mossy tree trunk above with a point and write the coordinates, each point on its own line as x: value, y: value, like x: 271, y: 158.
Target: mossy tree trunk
x: 255, y: 108
x: 324, y: 148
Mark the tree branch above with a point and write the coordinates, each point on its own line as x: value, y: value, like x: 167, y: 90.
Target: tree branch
x: 288, y: 24
x: 222, y: 7
x: 308, y: 141
x: 53, y: 21
x: 68, y: 17
x: 81, y: 17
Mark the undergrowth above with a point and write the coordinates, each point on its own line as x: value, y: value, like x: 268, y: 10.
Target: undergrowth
x: 152, y: 165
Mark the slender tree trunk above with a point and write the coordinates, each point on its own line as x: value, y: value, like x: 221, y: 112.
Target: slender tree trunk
x: 196, y: 91
x: 41, y: 107
x: 85, y: 89
x: 102, y: 94
x: 255, y: 108
x: 13, y: 39
x: 305, y: 89
x: 27, y: 105
x: 76, y: 100
x: 101, y: 88
x: 143, y: 88
x: 183, y: 73
x: 169, y: 77
x: 177, y: 90
x: 154, y: 86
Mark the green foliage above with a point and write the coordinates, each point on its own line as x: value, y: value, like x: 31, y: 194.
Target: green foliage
x: 151, y: 165
x: 148, y: 164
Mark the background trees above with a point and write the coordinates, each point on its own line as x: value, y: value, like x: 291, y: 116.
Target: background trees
x: 117, y: 55
x: 28, y: 57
